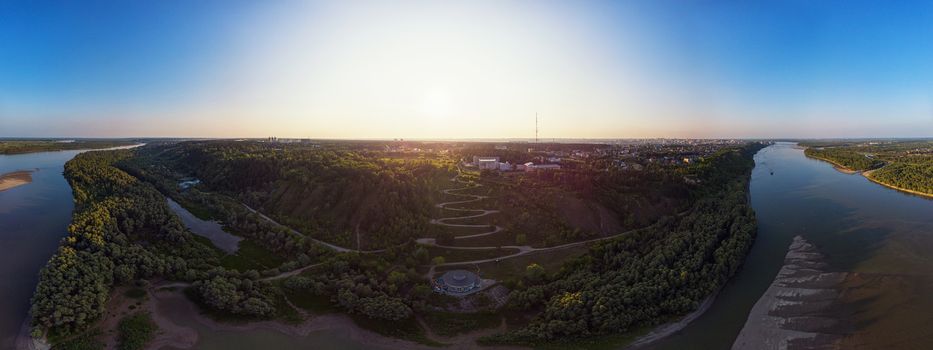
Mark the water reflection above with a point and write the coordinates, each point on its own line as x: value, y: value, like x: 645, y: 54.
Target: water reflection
x: 211, y: 230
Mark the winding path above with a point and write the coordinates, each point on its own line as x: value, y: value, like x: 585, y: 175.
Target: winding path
x: 333, y: 247
x: 482, y: 212
x: 522, y: 250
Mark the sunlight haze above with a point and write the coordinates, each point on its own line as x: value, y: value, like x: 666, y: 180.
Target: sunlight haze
x: 478, y: 69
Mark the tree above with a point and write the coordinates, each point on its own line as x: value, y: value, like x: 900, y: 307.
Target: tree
x: 534, y: 273
x: 438, y: 260
x: 521, y: 239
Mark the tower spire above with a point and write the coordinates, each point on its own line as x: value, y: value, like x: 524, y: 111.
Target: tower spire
x: 536, y: 127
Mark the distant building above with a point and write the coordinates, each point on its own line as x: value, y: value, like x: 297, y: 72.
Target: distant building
x: 502, y: 147
x: 535, y: 167
x: 486, y: 163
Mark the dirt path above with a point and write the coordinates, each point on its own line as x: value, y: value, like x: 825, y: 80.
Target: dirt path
x: 282, y: 275
x: 333, y: 247
x: 466, y: 340
x: 168, y: 307
x: 290, y: 273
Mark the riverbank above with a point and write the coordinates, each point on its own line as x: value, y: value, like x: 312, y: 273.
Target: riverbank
x: 839, y: 167
x: 182, y: 326
x: 15, y: 179
x: 867, y: 175
x: 668, y: 329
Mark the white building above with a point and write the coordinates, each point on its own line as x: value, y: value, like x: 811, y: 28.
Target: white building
x: 486, y: 163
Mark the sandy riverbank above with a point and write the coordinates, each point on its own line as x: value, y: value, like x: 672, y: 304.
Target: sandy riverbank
x: 839, y: 167
x: 15, y: 179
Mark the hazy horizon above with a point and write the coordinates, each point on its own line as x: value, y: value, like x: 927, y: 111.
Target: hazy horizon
x: 466, y: 70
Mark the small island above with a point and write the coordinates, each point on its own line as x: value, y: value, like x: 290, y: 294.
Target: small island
x: 10, y: 146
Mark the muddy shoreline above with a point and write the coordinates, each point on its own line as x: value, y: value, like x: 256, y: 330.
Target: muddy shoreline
x: 670, y: 328
x: 169, y: 306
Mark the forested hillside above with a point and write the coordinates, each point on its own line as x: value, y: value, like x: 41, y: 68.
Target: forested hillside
x: 654, y: 274
x: 330, y: 193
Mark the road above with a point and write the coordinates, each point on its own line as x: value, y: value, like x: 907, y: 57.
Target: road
x: 333, y: 247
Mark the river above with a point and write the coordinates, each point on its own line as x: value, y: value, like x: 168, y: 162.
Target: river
x: 33, y: 218
x: 860, y: 226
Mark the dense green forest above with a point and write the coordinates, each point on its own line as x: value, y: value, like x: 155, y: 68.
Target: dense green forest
x: 121, y: 230
x: 652, y: 275
x: 330, y: 193
x: 847, y: 158
x: 30, y: 146
x: 912, y: 176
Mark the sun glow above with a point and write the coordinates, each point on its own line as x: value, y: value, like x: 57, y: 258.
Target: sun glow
x: 427, y: 70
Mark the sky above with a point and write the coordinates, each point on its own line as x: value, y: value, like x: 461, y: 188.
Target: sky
x: 466, y: 69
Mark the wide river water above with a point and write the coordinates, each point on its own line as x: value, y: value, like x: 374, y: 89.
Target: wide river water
x: 33, y: 218
x: 859, y: 225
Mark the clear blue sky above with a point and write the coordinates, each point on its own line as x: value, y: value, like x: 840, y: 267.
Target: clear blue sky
x: 367, y: 69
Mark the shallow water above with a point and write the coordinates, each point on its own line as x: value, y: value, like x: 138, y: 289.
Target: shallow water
x: 859, y: 225
x: 209, y: 229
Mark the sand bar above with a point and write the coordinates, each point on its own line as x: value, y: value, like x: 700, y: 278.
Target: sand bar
x: 14, y: 179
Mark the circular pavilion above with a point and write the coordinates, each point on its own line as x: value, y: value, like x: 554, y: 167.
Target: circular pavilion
x: 457, y: 282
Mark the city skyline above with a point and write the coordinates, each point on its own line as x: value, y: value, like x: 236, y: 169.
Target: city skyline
x: 466, y: 70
